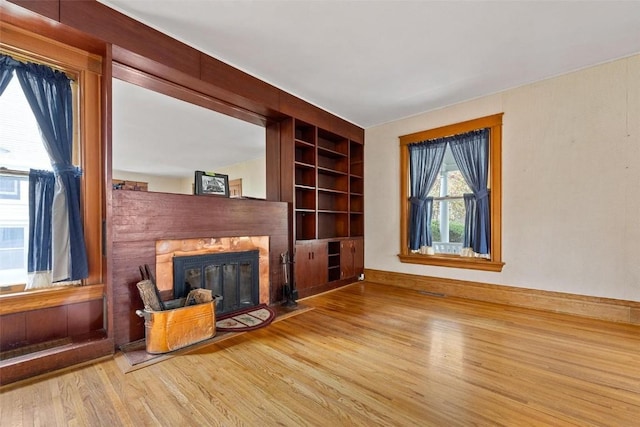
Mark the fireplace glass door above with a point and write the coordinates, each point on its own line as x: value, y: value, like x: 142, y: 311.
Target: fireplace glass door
x: 232, y: 275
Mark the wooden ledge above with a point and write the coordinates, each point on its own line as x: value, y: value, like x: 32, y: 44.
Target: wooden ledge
x: 50, y: 297
x: 452, y: 261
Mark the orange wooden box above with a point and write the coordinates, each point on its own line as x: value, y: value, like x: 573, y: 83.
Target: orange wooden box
x: 170, y: 330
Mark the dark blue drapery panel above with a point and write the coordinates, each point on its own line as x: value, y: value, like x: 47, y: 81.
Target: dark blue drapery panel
x: 49, y: 95
x: 41, y: 189
x: 425, y: 159
x: 7, y: 65
x: 469, y: 213
x: 471, y: 153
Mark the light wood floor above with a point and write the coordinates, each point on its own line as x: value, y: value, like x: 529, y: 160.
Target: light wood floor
x: 366, y: 355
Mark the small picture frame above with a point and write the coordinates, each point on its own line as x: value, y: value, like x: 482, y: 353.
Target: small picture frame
x: 211, y: 184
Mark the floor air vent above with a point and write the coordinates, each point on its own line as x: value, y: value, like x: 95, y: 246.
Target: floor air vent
x: 432, y: 294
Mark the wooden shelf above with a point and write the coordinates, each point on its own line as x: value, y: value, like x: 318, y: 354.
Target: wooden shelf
x: 330, y: 171
x: 331, y: 153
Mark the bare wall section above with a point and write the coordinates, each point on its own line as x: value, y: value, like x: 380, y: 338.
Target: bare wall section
x: 571, y: 184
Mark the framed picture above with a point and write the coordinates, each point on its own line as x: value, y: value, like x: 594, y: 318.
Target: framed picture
x: 213, y: 184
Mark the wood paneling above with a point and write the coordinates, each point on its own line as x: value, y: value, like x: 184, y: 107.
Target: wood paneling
x: 581, y: 305
x: 273, y: 161
x: 48, y: 8
x: 140, y: 218
x: 49, y: 323
x: 257, y: 92
x: 85, y: 317
x: 13, y: 331
x: 113, y: 27
x: 42, y: 17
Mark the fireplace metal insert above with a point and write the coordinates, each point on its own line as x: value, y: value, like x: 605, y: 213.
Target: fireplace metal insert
x: 232, y: 275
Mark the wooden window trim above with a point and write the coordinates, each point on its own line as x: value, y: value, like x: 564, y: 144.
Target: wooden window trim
x: 494, y: 122
x: 86, y: 70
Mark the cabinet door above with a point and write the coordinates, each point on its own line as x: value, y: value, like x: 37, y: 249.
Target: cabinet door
x: 358, y: 256
x: 310, y: 268
x: 346, y: 259
x: 351, y: 258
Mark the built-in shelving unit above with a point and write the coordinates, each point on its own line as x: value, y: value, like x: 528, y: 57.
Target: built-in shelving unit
x: 328, y: 184
x: 327, y: 177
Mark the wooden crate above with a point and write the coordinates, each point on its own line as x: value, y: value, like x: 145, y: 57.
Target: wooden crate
x: 170, y: 330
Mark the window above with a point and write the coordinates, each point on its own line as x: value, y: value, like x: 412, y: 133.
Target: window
x: 21, y: 148
x: 449, y: 204
x: 447, y: 221
x: 9, y: 187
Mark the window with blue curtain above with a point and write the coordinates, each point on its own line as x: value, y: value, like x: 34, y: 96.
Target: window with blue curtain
x: 56, y: 248
x: 453, y: 195
x: 470, y: 151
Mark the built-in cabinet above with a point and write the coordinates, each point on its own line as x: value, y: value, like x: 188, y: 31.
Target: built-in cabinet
x: 323, y: 179
x: 310, y: 264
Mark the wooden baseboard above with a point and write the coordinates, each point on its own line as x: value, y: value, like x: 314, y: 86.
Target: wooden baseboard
x: 594, y: 307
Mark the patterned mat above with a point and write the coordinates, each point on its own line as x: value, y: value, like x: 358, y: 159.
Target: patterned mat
x: 246, y: 320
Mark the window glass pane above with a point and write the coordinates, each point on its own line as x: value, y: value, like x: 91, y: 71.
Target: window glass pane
x: 21, y: 145
x: 447, y: 226
x: 13, y: 267
x: 450, y: 182
x: 9, y: 187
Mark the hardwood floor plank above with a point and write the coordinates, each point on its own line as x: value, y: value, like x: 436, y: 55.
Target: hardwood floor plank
x: 366, y: 355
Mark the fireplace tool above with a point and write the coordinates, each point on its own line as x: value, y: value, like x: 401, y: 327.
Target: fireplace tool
x: 288, y: 287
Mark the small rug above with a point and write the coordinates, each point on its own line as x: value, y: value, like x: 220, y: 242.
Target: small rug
x: 246, y: 320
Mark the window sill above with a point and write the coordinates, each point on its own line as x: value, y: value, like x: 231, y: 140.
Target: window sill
x: 45, y: 298
x: 452, y: 261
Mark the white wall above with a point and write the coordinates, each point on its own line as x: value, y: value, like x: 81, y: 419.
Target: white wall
x: 253, y: 174
x: 158, y: 183
x: 571, y: 184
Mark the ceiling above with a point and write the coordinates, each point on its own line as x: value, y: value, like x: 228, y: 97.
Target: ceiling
x: 372, y: 62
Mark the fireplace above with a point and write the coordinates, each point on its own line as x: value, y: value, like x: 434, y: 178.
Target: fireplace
x: 168, y: 250
x: 232, y: 275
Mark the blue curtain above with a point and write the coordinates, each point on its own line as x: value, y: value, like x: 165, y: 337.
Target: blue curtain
x: 469, y: 209
x: 425, y: 159
x: 49, y: 95
x: 41, y: 189
x: 471, y: 153
x: 7, y: 65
